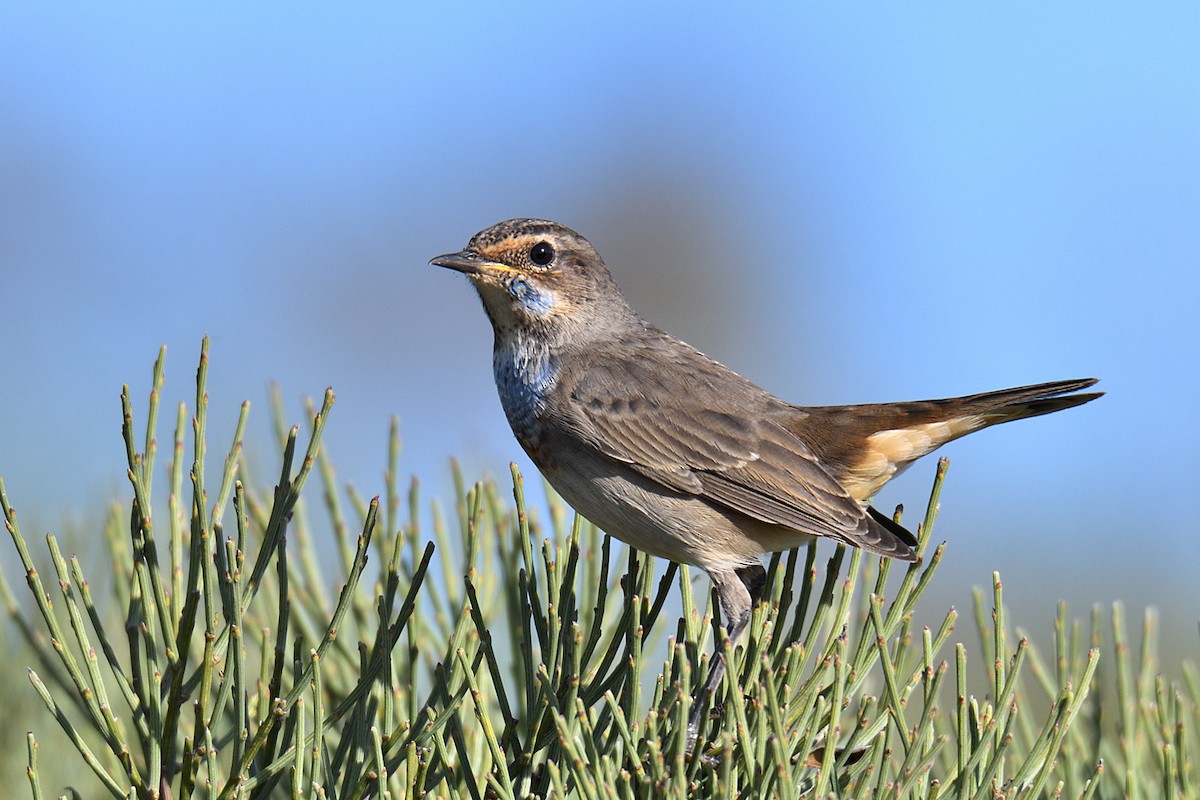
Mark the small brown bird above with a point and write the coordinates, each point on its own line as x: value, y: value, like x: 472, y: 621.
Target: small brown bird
x: 674, y: 453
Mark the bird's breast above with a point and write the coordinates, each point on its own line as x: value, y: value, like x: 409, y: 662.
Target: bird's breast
x: 525, y: 376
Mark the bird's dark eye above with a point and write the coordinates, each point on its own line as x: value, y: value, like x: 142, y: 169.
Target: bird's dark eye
x: 541, y: 254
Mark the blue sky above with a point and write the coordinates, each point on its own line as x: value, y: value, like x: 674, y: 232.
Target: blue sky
x: 846, y: 205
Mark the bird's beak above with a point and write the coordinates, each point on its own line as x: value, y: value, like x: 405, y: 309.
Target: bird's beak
x: 470, y: 263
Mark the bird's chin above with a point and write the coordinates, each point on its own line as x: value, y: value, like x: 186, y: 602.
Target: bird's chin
x: 501, y: 310
x: 491, y: 291
x: 517, y: 300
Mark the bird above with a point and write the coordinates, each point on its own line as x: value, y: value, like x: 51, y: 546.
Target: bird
x: 676, y: 454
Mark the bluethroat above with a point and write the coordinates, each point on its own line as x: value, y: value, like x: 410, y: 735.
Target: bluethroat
x: 674, y: 453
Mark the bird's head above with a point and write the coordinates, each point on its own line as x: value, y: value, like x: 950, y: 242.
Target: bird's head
x: 537, y: 275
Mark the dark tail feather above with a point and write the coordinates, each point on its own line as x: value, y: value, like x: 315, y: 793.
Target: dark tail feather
x: 1029, y: 401
x: 895, y: 540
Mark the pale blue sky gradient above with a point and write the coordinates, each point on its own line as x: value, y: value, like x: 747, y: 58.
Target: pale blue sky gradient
x: 889, y: 203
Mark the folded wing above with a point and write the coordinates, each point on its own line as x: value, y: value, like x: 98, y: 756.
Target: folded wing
x: 664, y: 416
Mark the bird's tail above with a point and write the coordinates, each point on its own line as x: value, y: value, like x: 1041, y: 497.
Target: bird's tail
x: 876, y: 442
x: 1025, y: 401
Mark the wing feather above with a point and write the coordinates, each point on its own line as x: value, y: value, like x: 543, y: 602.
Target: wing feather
x: 665, y: 418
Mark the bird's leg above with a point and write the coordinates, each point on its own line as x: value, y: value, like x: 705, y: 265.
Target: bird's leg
x: 738, y: 591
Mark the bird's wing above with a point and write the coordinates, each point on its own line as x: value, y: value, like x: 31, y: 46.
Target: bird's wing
x: 694, y: 426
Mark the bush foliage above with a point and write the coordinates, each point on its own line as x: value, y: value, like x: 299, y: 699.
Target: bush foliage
x: 493, y: 656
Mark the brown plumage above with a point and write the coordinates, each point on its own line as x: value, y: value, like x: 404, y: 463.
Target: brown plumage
x: 678, y: 455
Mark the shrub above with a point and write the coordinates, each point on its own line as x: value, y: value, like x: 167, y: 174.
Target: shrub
x: 496, y: 657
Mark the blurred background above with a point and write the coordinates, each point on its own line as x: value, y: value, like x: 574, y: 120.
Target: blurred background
x: 885, y: 203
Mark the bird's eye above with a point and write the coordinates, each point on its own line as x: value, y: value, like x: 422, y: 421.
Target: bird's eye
x: 541, y: 254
